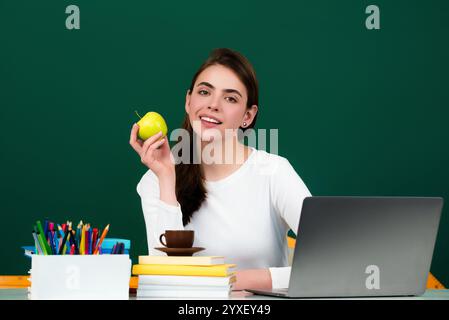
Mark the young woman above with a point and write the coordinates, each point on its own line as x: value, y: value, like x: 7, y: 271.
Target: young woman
x: 241, y: 210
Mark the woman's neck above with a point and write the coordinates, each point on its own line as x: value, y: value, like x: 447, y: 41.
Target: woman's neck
x: 222, y: 159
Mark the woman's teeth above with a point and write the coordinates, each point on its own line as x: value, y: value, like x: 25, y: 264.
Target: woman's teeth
x: 210, y: 120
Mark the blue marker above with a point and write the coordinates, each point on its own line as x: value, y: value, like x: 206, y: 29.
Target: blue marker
x: 90, y: 240
x: 50, y: 241
x: 45, y: 226
x: 61, y: 232
x: 56, y: 244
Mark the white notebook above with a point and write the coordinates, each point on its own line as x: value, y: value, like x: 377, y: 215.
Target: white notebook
x: 182, y: 294
x: 183, y: 288
x: 184, y: 280
x: 179, y: 260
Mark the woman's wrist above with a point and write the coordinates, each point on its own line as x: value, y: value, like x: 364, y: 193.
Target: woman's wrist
x: 167, y: 187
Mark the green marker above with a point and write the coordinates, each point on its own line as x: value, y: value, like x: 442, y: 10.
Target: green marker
x: 46, y: 247
x: 42, y: 243
x: 39, y: 240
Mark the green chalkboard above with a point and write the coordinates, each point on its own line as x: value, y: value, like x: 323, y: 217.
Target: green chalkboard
x: 360, y: 111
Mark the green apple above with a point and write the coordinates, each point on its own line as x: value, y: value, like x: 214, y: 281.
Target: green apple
x: 150, y: 124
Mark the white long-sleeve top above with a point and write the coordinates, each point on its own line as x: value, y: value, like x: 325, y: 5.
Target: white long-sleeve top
x: 244, y: 218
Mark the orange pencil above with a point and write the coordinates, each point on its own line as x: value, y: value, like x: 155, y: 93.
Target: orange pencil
x: 103, y: 235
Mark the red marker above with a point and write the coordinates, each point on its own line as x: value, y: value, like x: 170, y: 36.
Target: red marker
x: 86, y: 240
x: 94, y: 239
x: 72, y: 249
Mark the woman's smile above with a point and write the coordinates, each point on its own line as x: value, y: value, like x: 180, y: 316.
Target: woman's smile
x: 209, y: 122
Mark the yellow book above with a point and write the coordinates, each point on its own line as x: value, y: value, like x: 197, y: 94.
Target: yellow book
x: 222, y: 270
x: 187, y: 261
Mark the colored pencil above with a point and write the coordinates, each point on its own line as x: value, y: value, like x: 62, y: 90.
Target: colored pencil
x: 90, y: 240
x: 36, y: 244
x: 66, y: 249
x: 78, y: 236
x: 50, y: 235
x: 61, y: 231
x: 103, y: 235
x: 50, y: 241
x: 86, y: 239
x: 43, y: 243
x: 81, y: 245
x: 94, y: 239
x: 69, y: 238
x: 45, y: 226
x: 41, y: 236
x: 56, y: 240
x: 64, y: 240
x: 73, y: 238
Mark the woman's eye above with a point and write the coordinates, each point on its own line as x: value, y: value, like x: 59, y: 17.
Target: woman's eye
x: 231, y: 99
x: 203, y: 92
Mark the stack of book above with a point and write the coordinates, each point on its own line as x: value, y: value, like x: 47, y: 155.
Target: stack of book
x: 184, y: 277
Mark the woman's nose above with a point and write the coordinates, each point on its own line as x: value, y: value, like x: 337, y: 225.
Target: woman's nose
x: 214, y: 102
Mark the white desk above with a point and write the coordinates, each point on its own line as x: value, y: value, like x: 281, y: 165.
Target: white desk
x: 21, y: 294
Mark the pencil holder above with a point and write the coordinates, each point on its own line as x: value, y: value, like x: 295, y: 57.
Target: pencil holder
x: 97, y: 277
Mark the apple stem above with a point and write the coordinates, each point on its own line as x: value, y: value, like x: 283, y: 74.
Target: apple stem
x: 137, y: 114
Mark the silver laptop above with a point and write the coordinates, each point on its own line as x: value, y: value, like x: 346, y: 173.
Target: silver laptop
x: 363, y: 247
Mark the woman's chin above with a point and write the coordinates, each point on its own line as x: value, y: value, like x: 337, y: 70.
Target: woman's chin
x: 210, y: 135
x: 208, y: 138
x: 213, y: 135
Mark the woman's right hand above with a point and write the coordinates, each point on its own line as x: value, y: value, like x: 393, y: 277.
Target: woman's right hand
x: 154, y: 153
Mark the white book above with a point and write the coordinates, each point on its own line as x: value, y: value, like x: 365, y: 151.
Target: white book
x: 182, y: 294
x: 186, y: 261
x: 184, y: 280
x: 183, y: 288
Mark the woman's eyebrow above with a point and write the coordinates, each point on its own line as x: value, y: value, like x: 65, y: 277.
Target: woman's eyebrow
x: 207, y: 84
x: 232, y: 91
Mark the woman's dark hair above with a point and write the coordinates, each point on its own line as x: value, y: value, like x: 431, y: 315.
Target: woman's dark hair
x: 190, y: 189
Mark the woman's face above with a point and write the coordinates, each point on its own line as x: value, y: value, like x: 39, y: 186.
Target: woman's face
x: 219, y: 96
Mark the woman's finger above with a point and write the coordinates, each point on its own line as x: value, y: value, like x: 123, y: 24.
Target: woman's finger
x: 155, y: 146
x: 166, y: 151
x: 133, y: 140
x: 165, y: 146
x: 147, y: 144
x: 158, y: 144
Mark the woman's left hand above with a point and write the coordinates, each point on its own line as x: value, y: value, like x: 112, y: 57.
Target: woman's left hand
x: 252, y: 279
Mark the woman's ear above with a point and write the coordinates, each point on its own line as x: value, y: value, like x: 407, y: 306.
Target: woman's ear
x: 250, y: 114
x: 187, y: 106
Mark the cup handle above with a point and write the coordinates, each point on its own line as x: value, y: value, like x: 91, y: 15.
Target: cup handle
x: 160, y: 239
